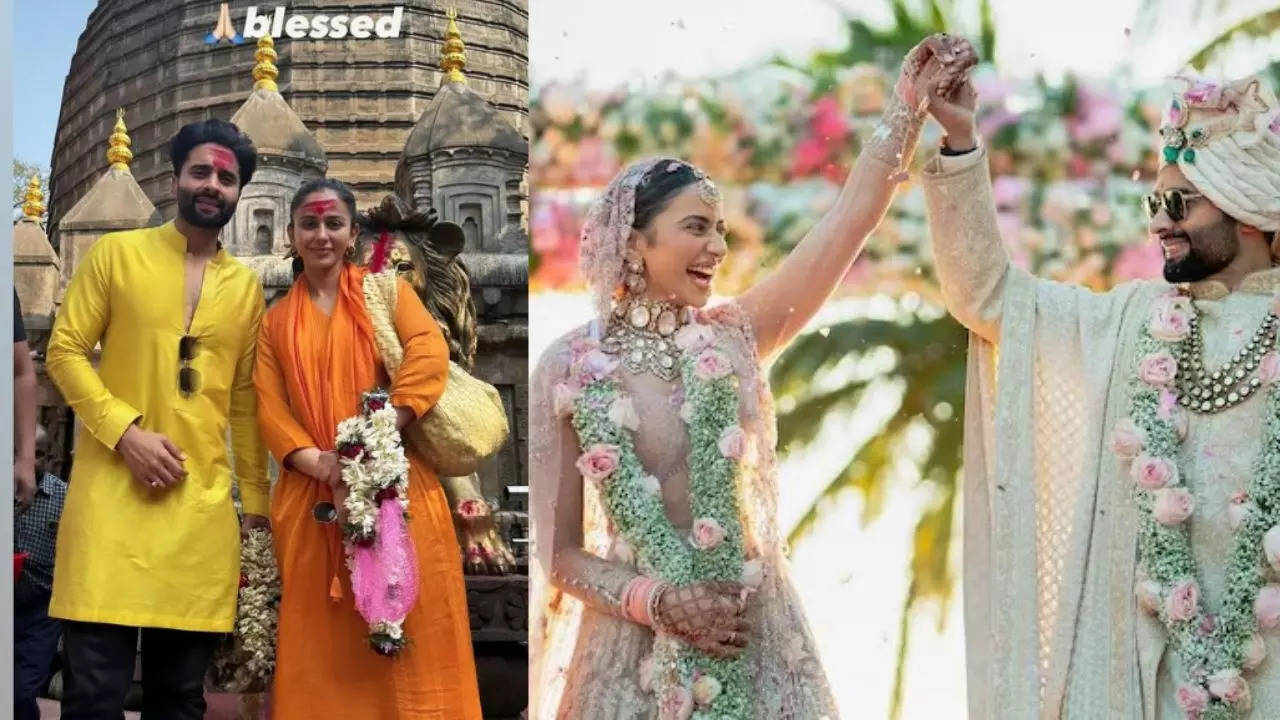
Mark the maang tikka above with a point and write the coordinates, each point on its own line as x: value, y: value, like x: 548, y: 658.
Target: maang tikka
x: 707, y: 190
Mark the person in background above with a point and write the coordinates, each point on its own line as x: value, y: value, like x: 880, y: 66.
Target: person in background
x: 24, y: 412
x: 35, y: 634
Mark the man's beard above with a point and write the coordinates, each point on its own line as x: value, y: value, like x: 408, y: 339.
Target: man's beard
x: 1209, y: 250
x: 189, y: 212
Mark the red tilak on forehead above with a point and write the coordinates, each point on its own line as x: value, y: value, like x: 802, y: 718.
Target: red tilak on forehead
x: 223, y: 159
x: 320, y: 207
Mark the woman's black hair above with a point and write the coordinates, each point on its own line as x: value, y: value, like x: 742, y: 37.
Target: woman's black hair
x: 659, y: 187
x: 219, y: 132
x: 337, y: 186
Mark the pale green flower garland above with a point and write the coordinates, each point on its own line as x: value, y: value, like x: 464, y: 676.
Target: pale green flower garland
x: 1212, y: 649
x: 642, y: 521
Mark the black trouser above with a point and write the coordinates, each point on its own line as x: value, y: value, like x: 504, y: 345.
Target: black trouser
x: 35, y: 644
x: 98, y: 662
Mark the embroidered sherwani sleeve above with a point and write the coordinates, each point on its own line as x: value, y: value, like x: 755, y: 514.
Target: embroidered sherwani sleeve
x: 974, y: 268
x: 970, y: 256
x: 246, y: 438
x: 420, y: 381
x: 80, y: 325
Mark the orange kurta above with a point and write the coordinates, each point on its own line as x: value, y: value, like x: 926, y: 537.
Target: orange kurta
x: 311, y: 369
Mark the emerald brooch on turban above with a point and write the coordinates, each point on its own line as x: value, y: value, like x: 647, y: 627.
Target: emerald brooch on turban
x: 1177, y: 141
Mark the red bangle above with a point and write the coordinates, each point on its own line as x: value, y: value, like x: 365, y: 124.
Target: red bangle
x: 636, y: 599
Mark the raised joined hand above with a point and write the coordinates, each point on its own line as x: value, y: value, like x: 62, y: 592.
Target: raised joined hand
x: 937, y: 66
x: 939, y: 63
x: 955, y: 113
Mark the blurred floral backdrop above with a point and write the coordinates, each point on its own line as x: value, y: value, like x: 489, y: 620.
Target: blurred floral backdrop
x: 1069, y: 162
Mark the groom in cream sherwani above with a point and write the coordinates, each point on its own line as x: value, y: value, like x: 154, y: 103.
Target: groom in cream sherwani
x: 1122, y: 452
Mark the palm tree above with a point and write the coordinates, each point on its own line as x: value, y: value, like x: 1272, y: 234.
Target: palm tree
x: 928, y: 361
x: 1256, y: 22
x: 887, y: 46
x: 928, y: 352
x: 1263, y: 25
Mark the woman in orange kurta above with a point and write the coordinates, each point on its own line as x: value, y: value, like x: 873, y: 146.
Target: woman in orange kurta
x: 316, y: 355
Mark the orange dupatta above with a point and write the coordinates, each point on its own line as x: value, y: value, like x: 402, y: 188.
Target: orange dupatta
x: 349, y: 365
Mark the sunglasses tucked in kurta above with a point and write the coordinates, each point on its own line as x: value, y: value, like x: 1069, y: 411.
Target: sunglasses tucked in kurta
x: 128, y: 554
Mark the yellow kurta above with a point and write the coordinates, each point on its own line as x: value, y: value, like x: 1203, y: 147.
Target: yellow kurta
x: 127, y: 554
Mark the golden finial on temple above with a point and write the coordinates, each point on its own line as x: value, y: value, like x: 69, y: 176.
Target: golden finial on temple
x: 118, y: 152
x: 33, y: 208
x: 453, y: 60
x: 265, y: 72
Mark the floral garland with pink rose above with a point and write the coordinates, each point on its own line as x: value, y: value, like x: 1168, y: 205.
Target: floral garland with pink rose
x: 1215, y: 650
x: 379, y: 551
x: 686, y: 682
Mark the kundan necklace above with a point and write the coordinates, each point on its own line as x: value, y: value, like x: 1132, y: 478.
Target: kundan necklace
x: 642, y: 335
x: 1202, y: 391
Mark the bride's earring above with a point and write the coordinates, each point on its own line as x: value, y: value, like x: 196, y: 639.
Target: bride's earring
x: 634, y: 265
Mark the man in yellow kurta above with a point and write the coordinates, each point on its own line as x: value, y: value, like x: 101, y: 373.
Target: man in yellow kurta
x: 148, y: 538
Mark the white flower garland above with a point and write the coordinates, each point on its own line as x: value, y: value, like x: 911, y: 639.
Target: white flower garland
x: 374, y: 466
x: 247, y: 662
x: 1214, y: 650
x: 687, y: 682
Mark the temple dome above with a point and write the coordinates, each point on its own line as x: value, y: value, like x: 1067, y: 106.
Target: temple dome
x: 276, y: 129
x: 460, y: 117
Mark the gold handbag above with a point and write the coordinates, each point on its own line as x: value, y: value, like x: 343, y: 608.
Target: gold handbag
x: 467, y: 424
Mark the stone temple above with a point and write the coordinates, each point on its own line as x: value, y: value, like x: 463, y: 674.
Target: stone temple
x: 439, y: 122
x: 360, y: 98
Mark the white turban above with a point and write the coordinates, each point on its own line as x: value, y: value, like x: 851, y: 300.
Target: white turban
x: 1225, y: 137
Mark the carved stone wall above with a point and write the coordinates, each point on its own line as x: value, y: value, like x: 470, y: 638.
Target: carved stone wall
x: 258, y: 227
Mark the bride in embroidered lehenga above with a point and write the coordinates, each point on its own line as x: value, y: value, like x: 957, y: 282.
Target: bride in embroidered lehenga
x: 660, y: 587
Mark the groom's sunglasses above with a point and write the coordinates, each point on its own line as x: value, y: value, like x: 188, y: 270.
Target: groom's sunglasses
x: 1174, y: 202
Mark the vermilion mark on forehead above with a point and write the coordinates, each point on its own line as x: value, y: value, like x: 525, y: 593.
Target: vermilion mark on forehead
x: 223, y: 159
x: 320, y: 207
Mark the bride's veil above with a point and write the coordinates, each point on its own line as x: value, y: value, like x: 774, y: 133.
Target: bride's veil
x: 555, y: 616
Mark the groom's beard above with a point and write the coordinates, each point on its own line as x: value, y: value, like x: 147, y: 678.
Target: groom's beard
x: 209, y: 220
x: 1210, y: 249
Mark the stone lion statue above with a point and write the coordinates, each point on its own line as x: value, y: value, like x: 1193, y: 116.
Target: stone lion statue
x: 424, y: 251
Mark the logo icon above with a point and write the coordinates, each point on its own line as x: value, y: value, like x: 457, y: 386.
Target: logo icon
x: 224, y: 30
